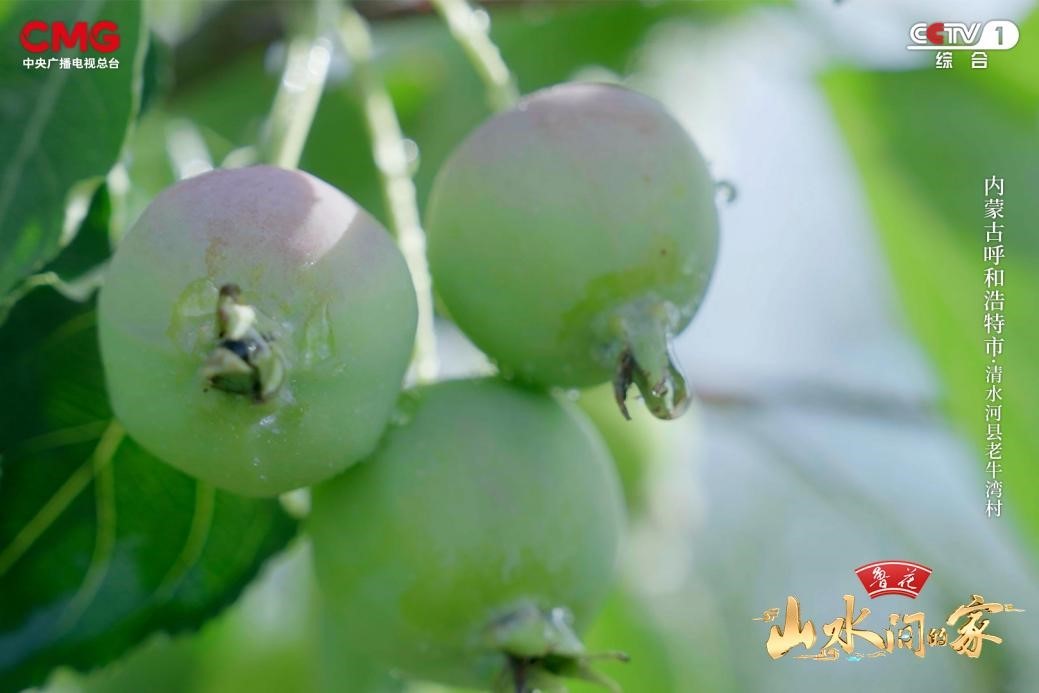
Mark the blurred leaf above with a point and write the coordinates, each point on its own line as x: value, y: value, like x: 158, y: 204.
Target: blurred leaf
x: 1012, y: 79
x: 92, y: 245
x: 77, y: 271
x: 175, y: 19
x: 100, y: 543
x: 601, y: 34
x: 230, y: 107
x: 62, y: 131
x: 148, y: 166
x: 924, y: 142
x: 158, y: 665
x: 156, y: 73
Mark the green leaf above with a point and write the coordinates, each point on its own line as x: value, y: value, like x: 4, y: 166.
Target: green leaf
x: 77, y: 271
x: 924, y: 142
x: 100, y: 543
x: 63, y: 131
x: 92, y: 245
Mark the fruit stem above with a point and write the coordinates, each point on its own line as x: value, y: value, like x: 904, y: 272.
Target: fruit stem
x: 648, y: 362
x: 470, y: 28
x: 302, y: 81
x: 393, y: 162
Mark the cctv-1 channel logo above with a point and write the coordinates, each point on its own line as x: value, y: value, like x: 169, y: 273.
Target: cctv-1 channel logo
x: 993, y: 35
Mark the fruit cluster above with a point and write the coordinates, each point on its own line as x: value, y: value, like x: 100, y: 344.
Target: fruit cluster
x: 256, y: 325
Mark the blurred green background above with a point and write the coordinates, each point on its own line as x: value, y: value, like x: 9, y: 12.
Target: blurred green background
x: 839, y: 355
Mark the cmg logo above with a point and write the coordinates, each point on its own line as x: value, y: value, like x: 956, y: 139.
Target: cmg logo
x: 38, y: 37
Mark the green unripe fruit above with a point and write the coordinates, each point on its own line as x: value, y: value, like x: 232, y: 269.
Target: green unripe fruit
x: 635, y: 446
x: 656, y: 665
x: 483, y: 522
x: 255, y: 326
x: 572, y: 236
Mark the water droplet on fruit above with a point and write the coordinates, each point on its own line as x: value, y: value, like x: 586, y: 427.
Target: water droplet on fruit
x: 667, y: 398
x: 317, y: 337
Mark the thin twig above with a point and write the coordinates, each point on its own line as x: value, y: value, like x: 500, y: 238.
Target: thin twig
x: 391, y: 159
x: 302, y: 81
x: 469, y: 27
x: 823, y: 397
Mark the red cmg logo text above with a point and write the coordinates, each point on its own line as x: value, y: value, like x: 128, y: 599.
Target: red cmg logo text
x: 39, y: 37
